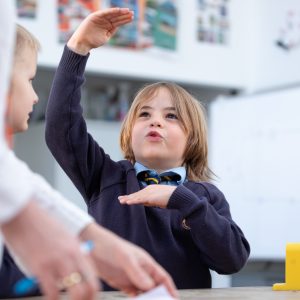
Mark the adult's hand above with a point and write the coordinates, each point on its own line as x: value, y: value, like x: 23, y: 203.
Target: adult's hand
x: 50, y: 253
x: 123, y: 265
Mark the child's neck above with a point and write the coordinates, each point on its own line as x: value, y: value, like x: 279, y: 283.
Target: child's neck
x: 157, y: 169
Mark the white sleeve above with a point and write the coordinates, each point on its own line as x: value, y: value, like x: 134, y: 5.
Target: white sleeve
x: 73, y: 218
x: 19, y: 183
x: 16, y: 188
x: 7, y: 37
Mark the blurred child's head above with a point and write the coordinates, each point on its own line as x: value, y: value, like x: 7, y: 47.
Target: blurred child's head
x: 21, y: 95
x: 166, y: 128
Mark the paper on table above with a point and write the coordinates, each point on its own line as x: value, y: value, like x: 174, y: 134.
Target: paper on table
x: 158, y: 293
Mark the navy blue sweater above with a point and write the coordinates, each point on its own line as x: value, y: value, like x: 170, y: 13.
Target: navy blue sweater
x: 214, y: 241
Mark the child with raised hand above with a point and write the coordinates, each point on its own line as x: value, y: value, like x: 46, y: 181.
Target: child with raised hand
x: 53, y: 252
x: 183, y: 221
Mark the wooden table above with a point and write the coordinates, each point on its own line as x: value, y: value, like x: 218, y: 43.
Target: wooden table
x: 239, y: 293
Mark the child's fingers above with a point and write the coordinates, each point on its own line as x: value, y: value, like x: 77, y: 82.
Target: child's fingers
x: 132, y: 199
x: 111, y: 11
x: 114, y: 11
x: 137, y: 201
x: 118, y: 24
x: 128, y: 199
x: 121, y: 20
x: 110, y: 15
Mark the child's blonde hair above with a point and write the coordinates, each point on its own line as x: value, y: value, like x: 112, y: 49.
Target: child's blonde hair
x: 24, y: 40
x: 190, y: 113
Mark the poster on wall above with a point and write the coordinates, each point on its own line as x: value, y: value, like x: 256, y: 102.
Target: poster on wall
x: 70, y: 15
x: 26, y: 8
x: 213, y: 21
x: 154, y: 25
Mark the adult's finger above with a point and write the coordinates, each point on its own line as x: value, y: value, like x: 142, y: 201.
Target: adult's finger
x: 160, y: 276
x: 145, y: 273
x: 88, y: 285
x: 48, y: 284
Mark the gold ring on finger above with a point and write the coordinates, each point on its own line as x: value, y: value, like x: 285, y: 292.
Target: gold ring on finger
x: 70, y: 280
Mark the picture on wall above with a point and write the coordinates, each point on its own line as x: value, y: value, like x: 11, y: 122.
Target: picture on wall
x: 213, y: 21
x: 289, y: 32
x: 155, y: 25
x: 71, y: 13
x: 26, y: 8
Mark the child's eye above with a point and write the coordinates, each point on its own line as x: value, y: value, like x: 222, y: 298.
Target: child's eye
x: 143, y: 114
x: 172, y: 116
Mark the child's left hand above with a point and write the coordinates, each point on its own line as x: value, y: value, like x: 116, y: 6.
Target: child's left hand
x: 152, y: 195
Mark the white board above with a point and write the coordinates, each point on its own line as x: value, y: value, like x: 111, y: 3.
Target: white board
x: 255, y: 151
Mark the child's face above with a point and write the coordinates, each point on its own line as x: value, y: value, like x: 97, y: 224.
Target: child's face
x: 22, y: 96
x: 158, y: 139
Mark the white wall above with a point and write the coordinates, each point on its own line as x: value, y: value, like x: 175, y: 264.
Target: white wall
x: 251, y: 61
x: 31, y: 147
x: 255, y: 146
x: 203, y: 64
x: 272, y: 67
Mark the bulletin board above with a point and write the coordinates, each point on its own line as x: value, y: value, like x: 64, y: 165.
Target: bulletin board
x: 255, y: 151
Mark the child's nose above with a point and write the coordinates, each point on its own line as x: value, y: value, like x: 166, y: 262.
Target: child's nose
x: 155, y: 124
x: 36, y: 99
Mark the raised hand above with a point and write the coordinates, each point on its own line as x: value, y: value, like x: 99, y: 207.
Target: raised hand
x: 97, y: 28
x: 152, y: 195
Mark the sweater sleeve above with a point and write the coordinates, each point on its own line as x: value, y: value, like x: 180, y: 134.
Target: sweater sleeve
x: 66, y: 132
x: 206, y: 214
